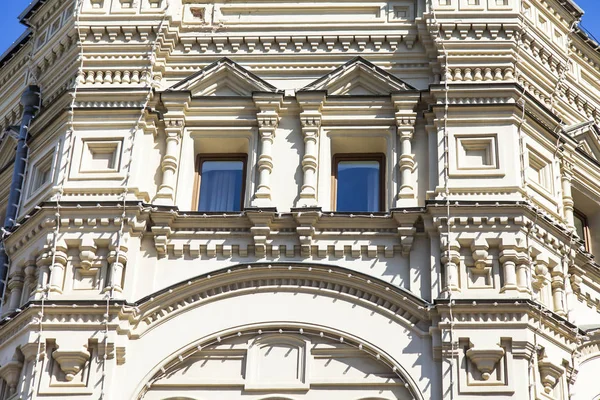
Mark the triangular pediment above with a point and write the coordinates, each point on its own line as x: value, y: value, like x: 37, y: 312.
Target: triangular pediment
x: 223, y: 78
x: 359, y: 77
x: 7, y: 149
x: 588, y: 137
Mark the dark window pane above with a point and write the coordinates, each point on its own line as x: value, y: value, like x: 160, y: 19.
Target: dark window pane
x: 580, y: 224
x: 358, y: 186
x: 221, y: 185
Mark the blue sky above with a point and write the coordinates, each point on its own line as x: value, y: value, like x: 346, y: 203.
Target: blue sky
x: 10, y: 29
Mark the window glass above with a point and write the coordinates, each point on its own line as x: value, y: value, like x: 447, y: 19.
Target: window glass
x: 358, y: 185
x: 221, y: 184
x: 581, y: 228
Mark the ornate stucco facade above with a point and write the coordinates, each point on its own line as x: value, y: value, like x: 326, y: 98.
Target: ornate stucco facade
x: 476, y: 277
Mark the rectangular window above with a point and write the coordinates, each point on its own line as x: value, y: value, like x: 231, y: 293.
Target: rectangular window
x: 41, y: 174
x: 220, y: 182
x: 358, y: 182
x: 582, y: 229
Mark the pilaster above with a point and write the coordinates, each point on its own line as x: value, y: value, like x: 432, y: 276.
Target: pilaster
x: 567, y: 196
x: 170, y: 162
x: 405, y: 117
x: 268, y: 105
x: 311, y: 104
x: 451, y: 261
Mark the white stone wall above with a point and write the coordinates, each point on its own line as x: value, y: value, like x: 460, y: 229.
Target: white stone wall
x: 469, y: 283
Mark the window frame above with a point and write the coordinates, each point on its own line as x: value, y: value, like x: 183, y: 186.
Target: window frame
x: 586, y: 229
x: 379, y: 157
x: 203, y: 157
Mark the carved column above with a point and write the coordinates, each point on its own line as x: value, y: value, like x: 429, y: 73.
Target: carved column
x: 558, y: 289
x: 310, y: 117
x: 567, y: 196
x: 15, y: 286
x: 508, y: 258
x: 57, y: 270
x: 170, y: 161
x: 30, y: 279
x: 451, y: 260
x: 43, y: 263
x: 268, y: 105
x: 480, y: 249
x: 116, y: 268
x: 523, y: 265
x: 540, y: 277
x: 405, y: 122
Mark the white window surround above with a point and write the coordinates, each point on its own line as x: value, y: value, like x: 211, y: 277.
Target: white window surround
x: 260, y: 377
x: 446, y: 4
x: 401, y: 11
x: 97, y: 158
x: 202, y: 140
x: 501, y: 5
x: 475, y: 155
x: 100, y: 156
x: 539, y: 174
x: 41, y: 174
x: 356, y: 140
x: 472, y: 5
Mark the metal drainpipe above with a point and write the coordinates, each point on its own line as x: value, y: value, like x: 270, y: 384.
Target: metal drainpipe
x: 31, y: 101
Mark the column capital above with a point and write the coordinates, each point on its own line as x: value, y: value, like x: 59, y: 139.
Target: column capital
x: 311, y: 100
x: 174, y: 123
x: 269, y: 106
x: 267, y: 101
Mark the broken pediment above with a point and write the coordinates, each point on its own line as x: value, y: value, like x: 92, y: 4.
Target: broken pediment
x: 359, y: 77
x: 223, y: 78
x: 587, y: 135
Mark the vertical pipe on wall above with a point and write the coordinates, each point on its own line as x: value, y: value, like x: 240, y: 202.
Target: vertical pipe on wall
x: 31, y: 101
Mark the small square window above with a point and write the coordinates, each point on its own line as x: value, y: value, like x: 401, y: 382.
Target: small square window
x: 540, y: 171
x: 221, y: 182
x: 41, y: 174
x: 582, y: 229
x: 359, y: 182
x: 473, y: 2
x: 543, y: 24
x: 476, y: 152
x: 100, y: 156
x: 501, y: 2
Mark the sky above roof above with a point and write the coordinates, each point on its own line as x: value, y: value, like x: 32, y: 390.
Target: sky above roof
x: 11, y: 29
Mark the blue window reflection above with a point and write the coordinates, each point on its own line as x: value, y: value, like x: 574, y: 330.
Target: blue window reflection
x: 221, y: 185
x: 358, y: 186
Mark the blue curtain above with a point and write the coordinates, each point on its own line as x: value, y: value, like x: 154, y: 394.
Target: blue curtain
x: 358, y: 186
x: 221, y: 186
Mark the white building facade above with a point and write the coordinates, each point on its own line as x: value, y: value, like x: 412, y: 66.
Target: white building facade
x: 300, y: 200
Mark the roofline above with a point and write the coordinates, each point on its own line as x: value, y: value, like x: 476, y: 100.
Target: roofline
x: 572, y: 7
x: 15, y: 47
x: 31, y: 8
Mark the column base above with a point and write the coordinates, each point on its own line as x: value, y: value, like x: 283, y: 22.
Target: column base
x: 262, y: 202
x: 164, y: 199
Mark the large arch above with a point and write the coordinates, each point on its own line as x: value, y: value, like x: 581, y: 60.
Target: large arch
x: 389, y: 324
x: 266, y: 363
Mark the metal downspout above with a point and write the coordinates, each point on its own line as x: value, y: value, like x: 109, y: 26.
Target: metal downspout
x: 31, y: 104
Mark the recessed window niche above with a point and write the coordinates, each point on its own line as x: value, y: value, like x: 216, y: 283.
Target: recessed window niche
x: 97, y: 158
x: 100, y: 156
x: 475, y: 155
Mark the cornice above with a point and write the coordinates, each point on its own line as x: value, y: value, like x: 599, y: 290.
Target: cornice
x: 177, y: 233
x: 136, y: 319
x: 387, y: 299
x: 464, y: 314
